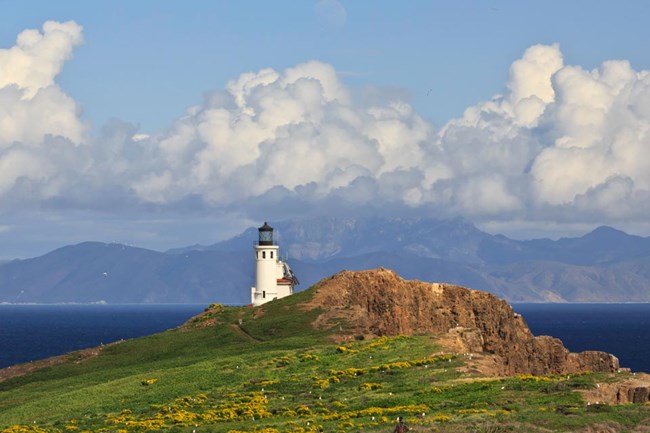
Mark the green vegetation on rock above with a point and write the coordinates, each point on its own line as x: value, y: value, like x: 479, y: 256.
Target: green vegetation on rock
x: 267, y: 370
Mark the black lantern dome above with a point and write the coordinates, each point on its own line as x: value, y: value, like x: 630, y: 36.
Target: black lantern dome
x: 266, y: 234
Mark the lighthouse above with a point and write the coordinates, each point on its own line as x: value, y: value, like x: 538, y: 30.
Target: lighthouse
x: 274, y: 279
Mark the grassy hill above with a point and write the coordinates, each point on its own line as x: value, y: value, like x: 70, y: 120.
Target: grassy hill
x: 239, y: 369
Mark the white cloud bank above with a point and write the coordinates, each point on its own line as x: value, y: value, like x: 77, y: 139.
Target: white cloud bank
x: 560, y: 144
x: 34, y: 110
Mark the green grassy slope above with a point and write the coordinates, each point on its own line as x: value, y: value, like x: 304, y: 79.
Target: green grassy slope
x: 274, y: 373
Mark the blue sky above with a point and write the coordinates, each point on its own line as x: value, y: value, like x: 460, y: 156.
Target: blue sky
x: 146, y: 61
x: 157, y: 70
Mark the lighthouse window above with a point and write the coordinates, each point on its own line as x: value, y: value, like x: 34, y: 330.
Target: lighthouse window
x: 263, y: 254
x: 257, y: 254
x: 264, y: 294
x: 271, y: 254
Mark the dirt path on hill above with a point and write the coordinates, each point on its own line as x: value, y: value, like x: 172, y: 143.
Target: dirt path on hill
x: 237, y: 329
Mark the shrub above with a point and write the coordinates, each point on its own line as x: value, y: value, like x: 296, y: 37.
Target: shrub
x: 308, y: 357
x: 303, y: 410
x: 367, y: 386
x: 282, y: 361
x: 441, y: 418
x: 24, y: 429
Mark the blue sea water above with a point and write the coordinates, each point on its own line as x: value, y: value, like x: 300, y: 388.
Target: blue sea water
x: 31, y: 332
x: 620, y: 329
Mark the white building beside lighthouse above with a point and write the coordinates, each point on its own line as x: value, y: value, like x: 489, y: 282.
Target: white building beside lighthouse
x: 274, y: 279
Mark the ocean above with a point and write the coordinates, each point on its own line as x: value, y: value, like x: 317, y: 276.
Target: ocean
x: 620, y: 329
x: 32, y: 332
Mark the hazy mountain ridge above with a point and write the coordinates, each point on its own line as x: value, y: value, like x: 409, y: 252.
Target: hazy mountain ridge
x: 605, y: 265
x: 115, y: 273
x: 328, y: 238
x: 602, y: 245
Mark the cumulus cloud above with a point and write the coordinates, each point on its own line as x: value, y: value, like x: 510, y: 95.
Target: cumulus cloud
x: 289, y: 129
x: 31, y: 104
x: 564, y: 142
x: 38, y: 56
x: 560, y: 143
x: 39, y: 124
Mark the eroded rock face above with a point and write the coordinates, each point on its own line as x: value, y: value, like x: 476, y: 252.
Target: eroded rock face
x: 379, y: 302
x: 635, y: 389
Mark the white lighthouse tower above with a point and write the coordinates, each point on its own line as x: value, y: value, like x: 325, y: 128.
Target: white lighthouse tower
x: 274, y: 279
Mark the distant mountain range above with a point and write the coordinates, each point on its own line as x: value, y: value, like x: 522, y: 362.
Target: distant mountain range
x: 606, y: 265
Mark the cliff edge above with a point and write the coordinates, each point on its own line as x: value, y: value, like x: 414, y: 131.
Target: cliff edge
x: 379, y: 302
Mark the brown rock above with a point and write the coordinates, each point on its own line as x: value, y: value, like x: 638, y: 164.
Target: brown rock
x: 379, y: 302
x: 638, y: 394
x: 629, y: 389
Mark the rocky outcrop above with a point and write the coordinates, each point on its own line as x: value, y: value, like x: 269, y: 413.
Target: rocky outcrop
x: 635, y: 389
x: 379, y: 302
